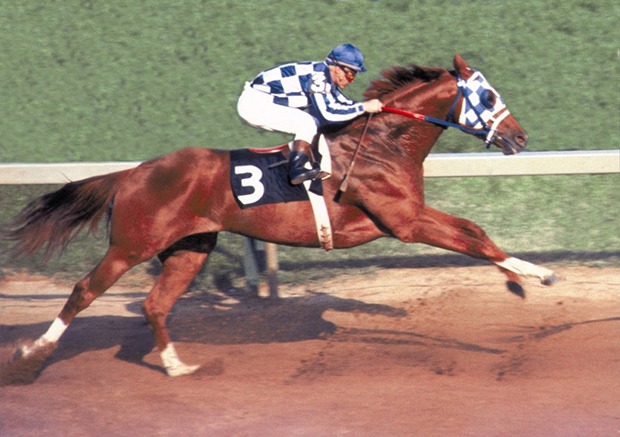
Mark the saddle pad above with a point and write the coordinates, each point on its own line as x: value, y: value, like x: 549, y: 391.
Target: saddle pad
x: 253, y: 183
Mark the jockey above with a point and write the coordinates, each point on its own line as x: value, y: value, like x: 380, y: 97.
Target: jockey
x: 298, y: 98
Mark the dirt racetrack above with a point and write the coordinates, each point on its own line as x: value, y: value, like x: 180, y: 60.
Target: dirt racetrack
x: 403, y: 352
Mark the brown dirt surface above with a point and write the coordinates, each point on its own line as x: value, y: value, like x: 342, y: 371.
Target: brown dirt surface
x: 401, y: 352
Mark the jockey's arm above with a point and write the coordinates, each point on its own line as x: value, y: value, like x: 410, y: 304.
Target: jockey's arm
x: 333, y: 109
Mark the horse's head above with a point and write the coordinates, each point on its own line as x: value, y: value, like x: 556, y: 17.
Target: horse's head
x: 479, y: 107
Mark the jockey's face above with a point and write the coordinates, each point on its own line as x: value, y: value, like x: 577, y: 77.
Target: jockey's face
x: 342, y: 76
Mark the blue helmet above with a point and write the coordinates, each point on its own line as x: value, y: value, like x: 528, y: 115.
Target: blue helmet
x: 346, y: 55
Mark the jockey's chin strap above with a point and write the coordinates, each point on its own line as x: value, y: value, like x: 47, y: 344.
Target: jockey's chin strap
x: 488, y: 132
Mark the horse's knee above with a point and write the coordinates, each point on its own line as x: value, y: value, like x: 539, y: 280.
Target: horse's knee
x: 472, y: 230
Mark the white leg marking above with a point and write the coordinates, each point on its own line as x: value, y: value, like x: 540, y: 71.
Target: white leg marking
x: 174, y: 366
x: 55, y: 331
x: 525, y: 268
x: 52, y: 335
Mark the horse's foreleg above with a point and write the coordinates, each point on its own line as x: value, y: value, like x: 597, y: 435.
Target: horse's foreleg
x: 439, y: 229
x: 179, y: 269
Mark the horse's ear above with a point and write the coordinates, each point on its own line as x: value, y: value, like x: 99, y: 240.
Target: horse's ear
x: 462, y: 68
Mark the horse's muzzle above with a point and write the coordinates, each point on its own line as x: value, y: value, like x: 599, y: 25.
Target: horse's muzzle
x: 521, y: 140
x: 515, y: 144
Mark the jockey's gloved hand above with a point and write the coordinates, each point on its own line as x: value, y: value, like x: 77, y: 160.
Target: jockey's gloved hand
x: 372, y: 106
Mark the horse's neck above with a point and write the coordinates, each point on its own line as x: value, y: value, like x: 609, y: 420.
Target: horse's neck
x: 404, y: 141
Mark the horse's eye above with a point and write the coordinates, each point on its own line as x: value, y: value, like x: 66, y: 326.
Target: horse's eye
x: 487, y: 98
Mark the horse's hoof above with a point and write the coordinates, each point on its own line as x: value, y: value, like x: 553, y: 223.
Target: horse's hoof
x: 550, y: 280
x: 25, y: 365
x: 181, y: 370
x: 515, y: 288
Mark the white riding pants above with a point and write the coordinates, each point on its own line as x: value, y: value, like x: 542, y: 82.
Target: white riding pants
x: 257, y: 109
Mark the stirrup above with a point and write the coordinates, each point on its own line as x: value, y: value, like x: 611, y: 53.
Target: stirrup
x: 297, y: 168
x: 303, y: 174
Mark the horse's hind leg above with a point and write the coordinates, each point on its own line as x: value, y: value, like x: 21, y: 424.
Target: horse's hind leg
x: 113, y: 265
x: 181, y: 263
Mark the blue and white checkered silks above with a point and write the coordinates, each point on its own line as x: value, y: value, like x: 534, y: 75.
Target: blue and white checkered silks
x: 482, y: 103
x: 305, y: 84
x: 288, y: 84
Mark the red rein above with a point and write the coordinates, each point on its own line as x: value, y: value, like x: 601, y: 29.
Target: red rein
x: 405, y: 113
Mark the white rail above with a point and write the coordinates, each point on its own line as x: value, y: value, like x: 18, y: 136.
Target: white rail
x: 436, y: 165
x: 523, y: 164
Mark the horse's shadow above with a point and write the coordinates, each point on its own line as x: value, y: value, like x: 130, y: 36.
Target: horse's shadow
x: 218, y: 320
x: 204, y: 318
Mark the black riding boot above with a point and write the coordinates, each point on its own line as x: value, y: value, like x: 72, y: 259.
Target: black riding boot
x: 297, y: 161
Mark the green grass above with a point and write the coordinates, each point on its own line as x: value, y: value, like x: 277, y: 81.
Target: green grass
x: 127, y: 80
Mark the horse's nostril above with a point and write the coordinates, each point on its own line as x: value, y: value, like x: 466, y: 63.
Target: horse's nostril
x: 521, y: 139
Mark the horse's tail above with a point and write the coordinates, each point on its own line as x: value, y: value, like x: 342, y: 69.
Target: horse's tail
x: 55, y: 219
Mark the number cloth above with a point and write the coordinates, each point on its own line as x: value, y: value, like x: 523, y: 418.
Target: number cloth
x: 253, y: 183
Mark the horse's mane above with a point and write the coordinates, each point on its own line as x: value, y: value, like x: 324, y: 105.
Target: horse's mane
x: 396, y: 77
x: 392, y: 79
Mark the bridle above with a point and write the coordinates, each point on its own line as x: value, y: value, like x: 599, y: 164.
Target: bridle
x: 467, y: 89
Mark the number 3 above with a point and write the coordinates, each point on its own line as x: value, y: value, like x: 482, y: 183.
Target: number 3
x: 318, y: 83
x: 252, y: 181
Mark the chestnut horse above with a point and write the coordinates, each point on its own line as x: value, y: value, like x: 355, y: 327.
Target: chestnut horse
x: 174, y: 206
